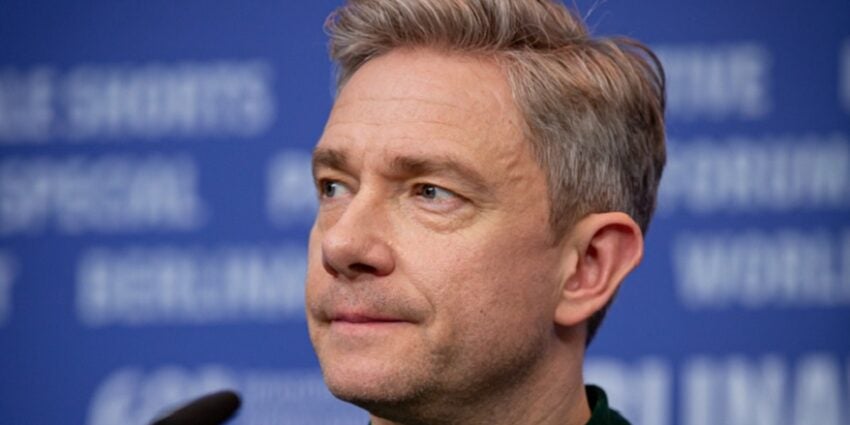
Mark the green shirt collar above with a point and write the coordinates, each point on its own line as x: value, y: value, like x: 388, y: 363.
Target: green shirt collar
x: 601, y: 414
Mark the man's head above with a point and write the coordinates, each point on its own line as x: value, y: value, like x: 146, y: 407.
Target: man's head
x: 593, y: 109
x: 485, y: 177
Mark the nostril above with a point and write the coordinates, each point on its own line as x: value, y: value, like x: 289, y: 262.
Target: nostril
x: 350, y: 254
x: 329, y: 267
x: 362, y: 268
x: 352, y: 269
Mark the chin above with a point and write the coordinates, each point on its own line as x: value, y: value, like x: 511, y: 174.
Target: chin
x: 360, y: 379
x: 405, y: 406
x: 385, y: 392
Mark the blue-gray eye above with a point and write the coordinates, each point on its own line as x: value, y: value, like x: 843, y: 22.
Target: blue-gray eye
x: 331, y: 188
x: 432, y: 192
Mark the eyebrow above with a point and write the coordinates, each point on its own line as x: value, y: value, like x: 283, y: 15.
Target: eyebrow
x: 418, y: 166
x: 406, y: 166
x: 330, y: 158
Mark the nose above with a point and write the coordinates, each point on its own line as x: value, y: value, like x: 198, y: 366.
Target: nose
x: 357, y: 244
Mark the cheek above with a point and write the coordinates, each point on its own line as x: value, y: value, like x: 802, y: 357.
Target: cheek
x: 477, y: 280
x: 488, y: 299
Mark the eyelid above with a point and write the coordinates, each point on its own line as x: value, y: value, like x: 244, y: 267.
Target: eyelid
x: 449, y: 203
x: 322, y: 172
x: 322, y: 181
x: 420, y: 186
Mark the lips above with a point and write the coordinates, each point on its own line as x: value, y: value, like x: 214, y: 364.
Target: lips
x: 363, y: 318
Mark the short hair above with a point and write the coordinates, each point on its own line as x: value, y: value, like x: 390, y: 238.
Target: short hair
x: 593, y: 107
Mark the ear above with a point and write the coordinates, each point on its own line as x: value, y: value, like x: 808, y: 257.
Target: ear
x: 605, y: 248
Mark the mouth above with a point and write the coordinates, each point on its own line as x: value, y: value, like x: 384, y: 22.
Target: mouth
x: 364, y: 319
x: 360, y: 326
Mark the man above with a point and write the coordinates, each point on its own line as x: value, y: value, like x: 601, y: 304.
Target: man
x: 485, y: 179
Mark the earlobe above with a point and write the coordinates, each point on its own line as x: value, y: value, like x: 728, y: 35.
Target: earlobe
x: 608, y: 247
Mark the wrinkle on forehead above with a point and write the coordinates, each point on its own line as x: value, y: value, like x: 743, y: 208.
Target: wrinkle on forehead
x: 455, y: 80
x: 413, y: 110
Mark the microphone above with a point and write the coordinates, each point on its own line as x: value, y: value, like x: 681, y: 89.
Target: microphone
x: 211, y: 409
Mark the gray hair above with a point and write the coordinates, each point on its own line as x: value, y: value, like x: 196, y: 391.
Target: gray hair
x: 593, y: 107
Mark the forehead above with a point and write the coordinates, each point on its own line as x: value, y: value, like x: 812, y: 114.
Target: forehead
x: 473, y: 83
x: 419, y: 99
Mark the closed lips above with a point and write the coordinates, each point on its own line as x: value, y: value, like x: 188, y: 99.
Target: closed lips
x: 363, y: 318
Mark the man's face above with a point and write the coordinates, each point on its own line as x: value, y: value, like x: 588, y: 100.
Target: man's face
x: 432, y: 272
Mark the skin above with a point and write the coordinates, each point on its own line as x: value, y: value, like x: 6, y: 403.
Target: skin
x: 436, y: 293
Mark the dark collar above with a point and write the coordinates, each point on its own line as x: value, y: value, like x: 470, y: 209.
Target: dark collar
x: 600, y: 413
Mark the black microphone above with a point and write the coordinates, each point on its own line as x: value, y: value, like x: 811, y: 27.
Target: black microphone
x: 211, y: 409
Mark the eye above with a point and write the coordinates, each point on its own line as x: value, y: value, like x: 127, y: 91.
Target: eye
x: 332, y: 188
x: 434, y: 193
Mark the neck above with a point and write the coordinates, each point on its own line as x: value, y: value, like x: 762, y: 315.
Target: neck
x: 551, y: 394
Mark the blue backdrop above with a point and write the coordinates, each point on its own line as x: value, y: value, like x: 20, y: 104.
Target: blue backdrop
x: 155, y: 201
